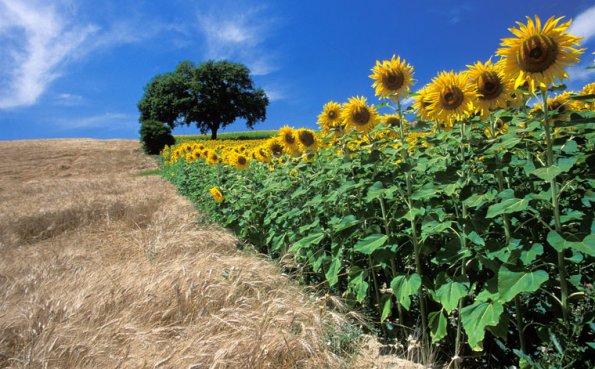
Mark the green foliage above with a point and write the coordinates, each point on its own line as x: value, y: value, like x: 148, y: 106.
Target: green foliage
x: 249, y: 135
x: 211, y: 95
x: 458, y: 230
x: 154, y: 136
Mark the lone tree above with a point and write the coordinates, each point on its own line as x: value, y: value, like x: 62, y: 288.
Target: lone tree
x: 211, y: 95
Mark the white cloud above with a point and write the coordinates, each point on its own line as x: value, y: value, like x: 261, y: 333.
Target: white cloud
x: 238, y: 34
x: 66, y: 99
x: 274, y: 93
x: 105, y: 120
x: 40, y: 40
x: 579, y: 72
x: 584, y: 25
x: 37, y: 41
x: 407, y: 101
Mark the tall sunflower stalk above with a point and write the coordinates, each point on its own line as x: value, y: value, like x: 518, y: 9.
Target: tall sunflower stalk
x: 508, y: 237
x: 555, y: 207
x: 537, y: 57
x: 393, y: 79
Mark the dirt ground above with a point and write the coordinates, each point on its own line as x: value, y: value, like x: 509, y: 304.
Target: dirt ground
x: 102, y: 267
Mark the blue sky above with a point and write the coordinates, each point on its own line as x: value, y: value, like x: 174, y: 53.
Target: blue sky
x: 77, y: 68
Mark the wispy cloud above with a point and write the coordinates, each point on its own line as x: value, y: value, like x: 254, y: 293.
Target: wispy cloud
x: 36, y: 40
x: 274, y: 92
x: 104, y: 120
x: 40, y: 39
x: 457, y: 13
x: 66, y: 99
x: 583, y: 25
x: 239, y: 34
x: 579, y: 74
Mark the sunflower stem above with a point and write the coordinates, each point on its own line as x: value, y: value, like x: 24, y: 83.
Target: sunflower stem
x: 508, y: 237
x: 556, y: 208
x: 463, y: 241
x: 414, y: 236
x: 376, y: 289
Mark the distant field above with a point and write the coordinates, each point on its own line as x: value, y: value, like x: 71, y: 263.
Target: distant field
x: 249, y: 135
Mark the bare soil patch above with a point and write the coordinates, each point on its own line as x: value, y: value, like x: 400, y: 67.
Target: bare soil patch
x: 103, y: 268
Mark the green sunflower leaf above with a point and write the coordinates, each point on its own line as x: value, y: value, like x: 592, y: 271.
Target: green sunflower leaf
x: 476, y: 317
x: 370, y: 244
x: 511, y: 283
x: 547, y: 173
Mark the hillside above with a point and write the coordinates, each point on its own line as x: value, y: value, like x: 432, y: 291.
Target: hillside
x: 102, y: 266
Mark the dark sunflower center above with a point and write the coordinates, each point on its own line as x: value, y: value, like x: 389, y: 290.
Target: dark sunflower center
x: 556, y: 105
x: 332, y: 114
x: 361, y: 116
x: 242, y: 160
x: 451, y: 97
x: 393, y: 121
x: 306, y: 138
x: 393, y: 80
x: 489, y: 86
x: 537, y: 54
x: 289, y: 138
x: 276, y: 149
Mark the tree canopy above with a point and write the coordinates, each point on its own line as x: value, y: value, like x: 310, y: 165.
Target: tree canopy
x: 211, y: 95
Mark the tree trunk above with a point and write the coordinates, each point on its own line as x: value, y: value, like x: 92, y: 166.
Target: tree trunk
x: 213, y: 134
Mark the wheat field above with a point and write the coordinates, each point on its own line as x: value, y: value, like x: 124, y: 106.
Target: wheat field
x: 101, y: 267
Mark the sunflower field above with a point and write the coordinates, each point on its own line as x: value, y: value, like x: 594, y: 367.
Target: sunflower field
x: 462, y: 224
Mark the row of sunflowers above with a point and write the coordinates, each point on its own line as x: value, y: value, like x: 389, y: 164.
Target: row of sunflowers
x: 462, y: 224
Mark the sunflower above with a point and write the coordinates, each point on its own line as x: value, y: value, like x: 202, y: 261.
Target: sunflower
x: 307, y: 139
x: 421, y: 103
x: 274, y: 146
x: 560, y: 104
x: 359, y: 116
x: 538, y: 55
x: 330, y: 116
x: 500, y: 128
x: 288, y: 139
x: 262, y: 154
x: 392, y: 120
x: 212, y: 157
x: 450, y: 97
x: 492, y: 89
x: 392, y: 78
x: 239, y: 161
x: 216, y: 193
x: 588, y: 90
x: 196, y: 155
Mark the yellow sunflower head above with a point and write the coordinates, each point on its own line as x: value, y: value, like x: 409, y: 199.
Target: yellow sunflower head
x: 262, y: 154
x: 538, y: 55
x: 421, y: 103
x: 450, y: 96
x: 307, y: 139
x: 288, y: 139
x: 497, y: 128
x: 492, y: 89
x: 392, y: 78
x: 588, y: 90
x: 196, y: 155
x: 213, y: 157
x: 330, y: 116
x: 239, y: 161
x: 359, y: 116
x: 392, y: 120
x: 217, y: 194
x: 274, y: 146
x: 560, y: 105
